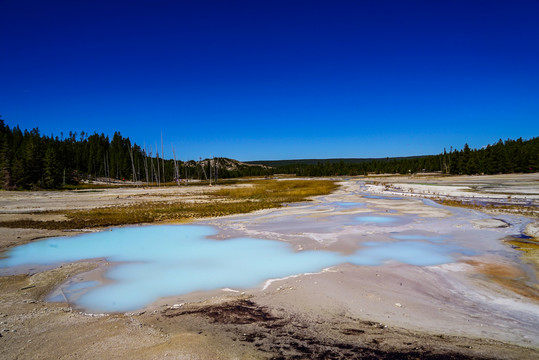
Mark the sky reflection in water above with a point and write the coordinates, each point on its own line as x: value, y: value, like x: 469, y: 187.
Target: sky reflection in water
x: 376, y: 219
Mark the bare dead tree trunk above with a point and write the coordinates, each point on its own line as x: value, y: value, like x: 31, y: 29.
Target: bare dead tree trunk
x: 132, y: 164
x: 202, y: 166
x: 138, y: 170
x: 209, y: 163
x: 146, y: 163
x: 158, y: 170
x: 176, y: 170
x: 216, y: 171
x: 163, y: 158
x: 152, y: 167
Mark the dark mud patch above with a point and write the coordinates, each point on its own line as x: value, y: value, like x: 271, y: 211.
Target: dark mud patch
x: 522, y: 236
x: 235, y: 312
x: 277, y: 334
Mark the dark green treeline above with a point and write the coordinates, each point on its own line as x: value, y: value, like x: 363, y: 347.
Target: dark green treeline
x: 508, y: 156
x: 29, y: 160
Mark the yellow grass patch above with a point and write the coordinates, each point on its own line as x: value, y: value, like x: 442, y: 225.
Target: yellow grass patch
x: 258, y: 195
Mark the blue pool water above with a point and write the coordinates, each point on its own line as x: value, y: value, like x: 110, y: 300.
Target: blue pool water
x: 410, y: 252
x: 376, y: 219
x: 159, y: 261
x: 419, y: 237
x: 351, y: 204
x: 382, y: 197
x: 82, y: 285
x: 72, y: 291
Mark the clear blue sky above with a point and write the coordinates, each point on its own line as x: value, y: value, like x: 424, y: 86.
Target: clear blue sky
x: 274, y: 79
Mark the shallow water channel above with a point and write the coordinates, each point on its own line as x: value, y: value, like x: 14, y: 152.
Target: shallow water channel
x: 240, y: 252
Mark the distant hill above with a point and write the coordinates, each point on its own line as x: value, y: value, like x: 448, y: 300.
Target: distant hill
x: 278, y: 163
x: 229, y: 164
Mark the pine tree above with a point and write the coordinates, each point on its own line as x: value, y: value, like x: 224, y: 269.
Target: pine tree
x: 5, y: 157
x: 52, y: 169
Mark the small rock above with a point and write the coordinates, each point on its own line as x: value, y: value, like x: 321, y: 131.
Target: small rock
x: 177, y: 306
x: 398, y: 304
x: 533, y: 229
x: 490, y: 223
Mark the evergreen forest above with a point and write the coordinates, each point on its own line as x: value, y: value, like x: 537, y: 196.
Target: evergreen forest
x: 510, y: 156
x: 30, y: 160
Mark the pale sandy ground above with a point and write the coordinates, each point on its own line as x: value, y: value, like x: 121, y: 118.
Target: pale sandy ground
x: 460, y: 310
x: 505, y: 189
x: 33, y: 205
x: 21, y: 202
x: 508, y: 188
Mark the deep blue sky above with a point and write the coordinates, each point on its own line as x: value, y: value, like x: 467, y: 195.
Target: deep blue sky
x: 274, y: 79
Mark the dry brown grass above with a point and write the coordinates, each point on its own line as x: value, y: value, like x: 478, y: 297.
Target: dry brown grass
x: 510, y: 277
x: 260, y: 194
x: 274, y: 191
x: 512, y: 209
